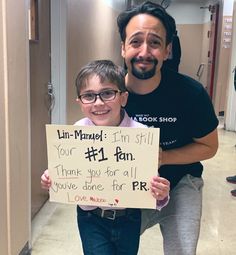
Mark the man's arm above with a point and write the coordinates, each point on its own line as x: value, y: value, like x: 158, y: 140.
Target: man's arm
x: 202, y: 149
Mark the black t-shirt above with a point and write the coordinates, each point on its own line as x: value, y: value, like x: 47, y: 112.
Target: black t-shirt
x: 182, y: 109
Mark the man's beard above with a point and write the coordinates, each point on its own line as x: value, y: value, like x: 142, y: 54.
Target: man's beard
x: 143, y: 75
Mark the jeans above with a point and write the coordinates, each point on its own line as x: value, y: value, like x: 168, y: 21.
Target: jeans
x: 180, y: 219
x: 102, y: 236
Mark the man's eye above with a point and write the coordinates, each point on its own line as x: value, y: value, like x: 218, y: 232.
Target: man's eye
x: 154, y: 44
x: 135, y: 43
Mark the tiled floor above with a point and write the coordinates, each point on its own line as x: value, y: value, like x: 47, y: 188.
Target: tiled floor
x: 54, y: 229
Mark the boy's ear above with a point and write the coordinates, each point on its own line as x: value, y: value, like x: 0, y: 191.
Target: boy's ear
x: 80, y: 104
x: 124, y: 98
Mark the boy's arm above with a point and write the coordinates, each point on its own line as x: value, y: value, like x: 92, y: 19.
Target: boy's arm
x: 162, y: 203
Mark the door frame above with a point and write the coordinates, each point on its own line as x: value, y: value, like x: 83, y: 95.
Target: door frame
x: 214, y: 12
x: 59, y: 60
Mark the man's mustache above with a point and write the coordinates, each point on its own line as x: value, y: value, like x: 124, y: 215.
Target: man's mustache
x: 140, y: 60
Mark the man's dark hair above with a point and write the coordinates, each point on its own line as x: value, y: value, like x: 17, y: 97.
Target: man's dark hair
x: 152, y: 9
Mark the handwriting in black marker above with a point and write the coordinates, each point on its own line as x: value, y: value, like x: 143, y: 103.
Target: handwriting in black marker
x: 92, y: 153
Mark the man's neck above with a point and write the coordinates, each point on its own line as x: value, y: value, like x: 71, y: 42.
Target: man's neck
x: 142, y: 87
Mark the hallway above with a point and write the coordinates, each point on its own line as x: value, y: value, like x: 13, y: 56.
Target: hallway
x: 54, y: 229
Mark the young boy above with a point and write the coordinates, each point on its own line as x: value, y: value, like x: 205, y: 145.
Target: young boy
x: 102, y: 95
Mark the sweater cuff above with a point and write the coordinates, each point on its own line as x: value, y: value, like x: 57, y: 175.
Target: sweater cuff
x: 162, y: 203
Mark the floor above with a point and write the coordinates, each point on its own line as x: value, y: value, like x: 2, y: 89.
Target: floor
x: 54, y: 230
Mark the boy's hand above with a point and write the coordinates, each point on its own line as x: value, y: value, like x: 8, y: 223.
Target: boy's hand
x: 45, y: 180
x: 160, y: 187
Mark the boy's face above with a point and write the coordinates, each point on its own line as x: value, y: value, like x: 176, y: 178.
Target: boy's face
x: 144, y: 49
x: 103, y: 113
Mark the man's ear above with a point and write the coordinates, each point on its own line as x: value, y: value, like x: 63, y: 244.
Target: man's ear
x: 168, y: 51
x: 123, y: 49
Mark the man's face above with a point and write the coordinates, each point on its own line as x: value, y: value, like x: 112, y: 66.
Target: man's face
x: 144, y: 49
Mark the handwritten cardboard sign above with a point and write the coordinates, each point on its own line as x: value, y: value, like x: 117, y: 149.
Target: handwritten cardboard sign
x: 102, y: 166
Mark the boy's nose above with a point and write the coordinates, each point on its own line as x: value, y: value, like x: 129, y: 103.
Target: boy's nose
x: 98, y: 100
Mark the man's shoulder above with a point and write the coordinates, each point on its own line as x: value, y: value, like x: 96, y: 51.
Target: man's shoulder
x: 181, y: 81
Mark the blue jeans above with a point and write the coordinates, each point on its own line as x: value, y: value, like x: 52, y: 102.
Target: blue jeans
x: 103, y: 236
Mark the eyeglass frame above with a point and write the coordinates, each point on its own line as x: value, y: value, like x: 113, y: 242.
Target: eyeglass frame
x: 99, y: 95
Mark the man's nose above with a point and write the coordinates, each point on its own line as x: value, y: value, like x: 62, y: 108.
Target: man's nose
x: 145, y: 49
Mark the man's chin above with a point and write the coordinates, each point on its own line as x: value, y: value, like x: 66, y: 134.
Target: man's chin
x: 143, y: 72
x: 143, y: 75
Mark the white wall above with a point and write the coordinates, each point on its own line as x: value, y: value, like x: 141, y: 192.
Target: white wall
x: 228, y: 7
x: 187, y: 13
x: 230, y: 120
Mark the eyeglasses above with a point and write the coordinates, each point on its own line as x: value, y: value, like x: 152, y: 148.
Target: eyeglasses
x: 105, y: 95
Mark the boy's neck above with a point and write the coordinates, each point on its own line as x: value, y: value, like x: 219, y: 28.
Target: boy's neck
x: 122, y: 115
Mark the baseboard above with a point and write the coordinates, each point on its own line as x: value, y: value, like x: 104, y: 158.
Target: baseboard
x: 26, y: 250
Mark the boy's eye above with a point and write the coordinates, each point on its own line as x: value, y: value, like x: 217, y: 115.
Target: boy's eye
x: 108, y: 93
x: 88, y: 96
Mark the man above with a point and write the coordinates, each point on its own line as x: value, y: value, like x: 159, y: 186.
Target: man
x: 181, y: 108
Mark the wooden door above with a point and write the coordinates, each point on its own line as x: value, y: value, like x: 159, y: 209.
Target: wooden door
x: 212, y: 34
